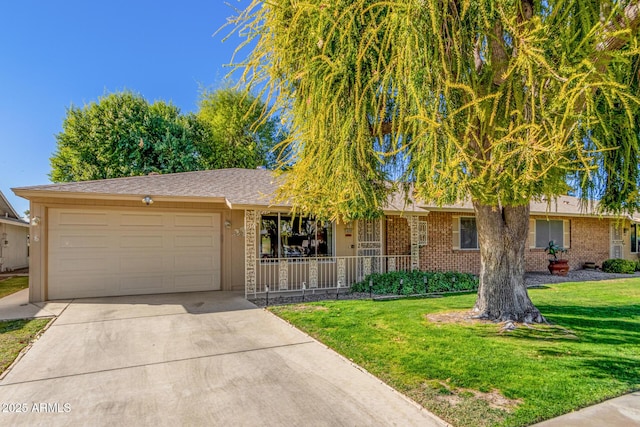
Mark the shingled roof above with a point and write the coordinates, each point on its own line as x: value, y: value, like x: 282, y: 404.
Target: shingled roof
x: 240, y: 188
x: 233, y: 186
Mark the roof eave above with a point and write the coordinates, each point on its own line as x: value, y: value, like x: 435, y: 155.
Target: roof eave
x: 256, y: 206
x: 16, y: 222
x: 39, y: 194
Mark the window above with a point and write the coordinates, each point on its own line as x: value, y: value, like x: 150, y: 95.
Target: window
x: 547, y: 231
x: 422, y: 233
x: 634, y: 238
x: 468, y: 233
x: 284, y: 236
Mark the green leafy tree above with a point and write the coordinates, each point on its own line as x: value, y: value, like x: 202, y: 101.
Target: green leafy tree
x: 239, y: 136
x: 123, y: 135
x: 498, y: 101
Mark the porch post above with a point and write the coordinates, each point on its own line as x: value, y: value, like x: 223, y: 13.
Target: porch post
x: 414, y: 221
x: 250, y: 220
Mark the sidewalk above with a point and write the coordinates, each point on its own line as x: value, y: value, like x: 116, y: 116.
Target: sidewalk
x: 17, y: 306
x: 623, y: 411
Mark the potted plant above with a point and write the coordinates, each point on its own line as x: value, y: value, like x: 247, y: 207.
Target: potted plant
x: 557, y: 266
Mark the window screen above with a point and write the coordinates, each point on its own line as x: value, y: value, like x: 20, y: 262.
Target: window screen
x: 547, y: 231
x: 468, y: 233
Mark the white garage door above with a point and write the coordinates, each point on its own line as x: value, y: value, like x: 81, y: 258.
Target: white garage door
x: 105, y: 253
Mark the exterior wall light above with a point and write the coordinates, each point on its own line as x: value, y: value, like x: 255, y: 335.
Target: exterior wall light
x: 35, y: 221
x: 227, y: 224
x: 147, y: 200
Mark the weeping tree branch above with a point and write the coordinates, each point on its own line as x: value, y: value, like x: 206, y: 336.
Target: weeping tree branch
x: 629, y: 21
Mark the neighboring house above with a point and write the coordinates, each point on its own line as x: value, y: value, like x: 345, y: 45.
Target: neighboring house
x: 220, y: 230
x: 14, y: 238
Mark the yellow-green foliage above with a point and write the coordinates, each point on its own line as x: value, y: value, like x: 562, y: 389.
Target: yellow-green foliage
x: 499, y: 100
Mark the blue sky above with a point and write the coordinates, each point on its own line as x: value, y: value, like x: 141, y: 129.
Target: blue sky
x: 56, y: 53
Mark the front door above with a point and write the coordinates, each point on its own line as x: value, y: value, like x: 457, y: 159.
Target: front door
x: 369, y: 246
x: 616, y: 240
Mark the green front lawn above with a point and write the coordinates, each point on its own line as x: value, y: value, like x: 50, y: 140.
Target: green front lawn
x: 12, y: 285
x: 474, y: 374
x: 16, y: 335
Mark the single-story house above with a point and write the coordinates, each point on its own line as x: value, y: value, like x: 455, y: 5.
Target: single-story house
x: 14, y: 238
x: 221, y: 230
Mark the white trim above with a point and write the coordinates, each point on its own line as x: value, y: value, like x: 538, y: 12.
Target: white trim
x: 12, y: 221
x: 566, y: 230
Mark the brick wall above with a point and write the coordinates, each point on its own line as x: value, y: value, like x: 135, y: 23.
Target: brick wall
x: 398, y: 236
x: 589, y: 242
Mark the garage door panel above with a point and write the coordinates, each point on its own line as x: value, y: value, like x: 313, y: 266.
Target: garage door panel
x: 194, y: 281
x: 83, y: 241
x: 141, y: 220
x: 105, y: 253
x: 143, y: 284
x: 196, y: 221
x: 77, y: 219
x: 137, y: 241
x: 194, y: 241
x: 79, y: 287
x: 195, y: 261
x: 81, y: 264
x: 149, y: 264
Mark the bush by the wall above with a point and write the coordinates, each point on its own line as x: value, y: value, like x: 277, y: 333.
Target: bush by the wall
x: 413, y: 282
x: 617, y: 265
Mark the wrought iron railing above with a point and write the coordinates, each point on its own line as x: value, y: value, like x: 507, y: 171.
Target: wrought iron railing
x: 278, y: 275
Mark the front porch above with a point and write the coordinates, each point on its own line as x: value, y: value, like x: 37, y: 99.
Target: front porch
x: 320, y: 274
x: 291, y: 271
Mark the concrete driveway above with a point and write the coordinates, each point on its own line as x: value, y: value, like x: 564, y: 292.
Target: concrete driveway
x: 190, y: 359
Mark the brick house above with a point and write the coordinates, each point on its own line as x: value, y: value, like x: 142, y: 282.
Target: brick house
x: 222, y: 230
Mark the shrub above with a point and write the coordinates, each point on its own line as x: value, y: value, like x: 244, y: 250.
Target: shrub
x: 413, y: 282
x: 638, y: 265
x: 617, y: 265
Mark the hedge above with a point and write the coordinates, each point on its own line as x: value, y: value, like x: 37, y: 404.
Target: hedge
x: 413, y: 282
x: 617, y: 265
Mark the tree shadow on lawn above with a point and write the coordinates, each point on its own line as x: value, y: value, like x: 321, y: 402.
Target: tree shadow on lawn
x: 596, y: 325
x: 594, y: 339
x: 601, y: 326
x: 624, y: 370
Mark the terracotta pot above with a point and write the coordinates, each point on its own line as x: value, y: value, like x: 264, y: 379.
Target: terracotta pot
x: 559, y: 267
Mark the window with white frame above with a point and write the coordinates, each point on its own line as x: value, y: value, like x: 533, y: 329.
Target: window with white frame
x: 286, y: 236
x: 468, y: 233
x: 549, y: 230
x: 422, y: 233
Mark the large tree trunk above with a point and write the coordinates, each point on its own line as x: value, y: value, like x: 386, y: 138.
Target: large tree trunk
x: 502, y: 236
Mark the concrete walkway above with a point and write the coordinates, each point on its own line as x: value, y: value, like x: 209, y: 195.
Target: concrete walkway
x: 191, y: 359
x: 623, y: 411
x: 17, y: 306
